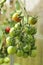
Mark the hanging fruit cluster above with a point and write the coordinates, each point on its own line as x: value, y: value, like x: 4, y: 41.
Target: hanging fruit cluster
x: 21, y: 40
x: 20, y: 31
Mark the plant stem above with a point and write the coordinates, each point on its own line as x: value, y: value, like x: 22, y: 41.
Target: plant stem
x: 11, y: 59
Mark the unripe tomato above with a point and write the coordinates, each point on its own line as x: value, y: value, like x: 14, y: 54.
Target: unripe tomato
x: 32, y: 20
x: 1, y: 60
x: 17, y: 26
x: 27, y: 48
x: 20, y: 53
x: 16, y: 18
x: 7, y: 29
x: 11, y: 50
x: 12, y: 32
x: 8, y: 41
x: 6, y: 60
x: 34, y: 52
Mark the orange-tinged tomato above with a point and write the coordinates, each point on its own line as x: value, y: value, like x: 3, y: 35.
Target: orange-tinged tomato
x: 16, y: 18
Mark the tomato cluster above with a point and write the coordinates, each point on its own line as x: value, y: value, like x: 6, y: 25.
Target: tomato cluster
x: 21, y: 40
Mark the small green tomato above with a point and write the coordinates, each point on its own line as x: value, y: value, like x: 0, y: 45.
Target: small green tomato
x: 17, y: 26
x: 12, y: 32
x: 8, y: 41
x: 19, y: 53
x: 6, y: 60
x: 1, y: 61
x: 11, y: 50
x: 34, y: 52
x: 27, y: 48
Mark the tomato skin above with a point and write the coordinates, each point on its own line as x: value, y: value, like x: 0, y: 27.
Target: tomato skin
x: 32, y: 20
x: 1, y: 61
x: 7, y: 29
x: 11, y: 50
x: 6, y: 60
x: 12, y: 32
x: 19, y: 53
x: 34, y: 53
x: 8, y: 41
x: 27, y: 48
x: 16, y: 18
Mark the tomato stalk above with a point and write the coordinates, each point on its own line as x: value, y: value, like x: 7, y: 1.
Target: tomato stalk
x: 11, y: 59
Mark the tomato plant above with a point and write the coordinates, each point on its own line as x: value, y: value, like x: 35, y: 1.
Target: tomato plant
x: 20, y: 39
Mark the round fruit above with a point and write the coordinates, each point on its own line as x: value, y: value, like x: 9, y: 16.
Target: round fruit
x: 16, y: 18
x: 27, y: 48
x: 1, y: 60
x: 12, y: 32
x: 8, y: 41
x: 17, y: 26
x: 7, y: 29
x: 34, y: 52
x: 6, y: 60
x: 32, y: 20
x: 11, y: 50
x: 19, y: 53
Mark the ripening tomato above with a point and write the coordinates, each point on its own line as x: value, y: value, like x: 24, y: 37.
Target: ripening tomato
x: 7, y: 29
x: 16, y: 17
x: 32, y: 20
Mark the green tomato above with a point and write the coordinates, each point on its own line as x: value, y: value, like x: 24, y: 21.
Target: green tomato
x: 34, y: 52
x: 20, y: 53
x: 32, y: 20
x: 1, y: 61
x: 27, y: 48
x: 12, y: 32
x: 19, y: 44
x: 8, y: 41
x: 11, y: 50
x: 17, y: 26
x: 26, y: 29
x: 6, y: 60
